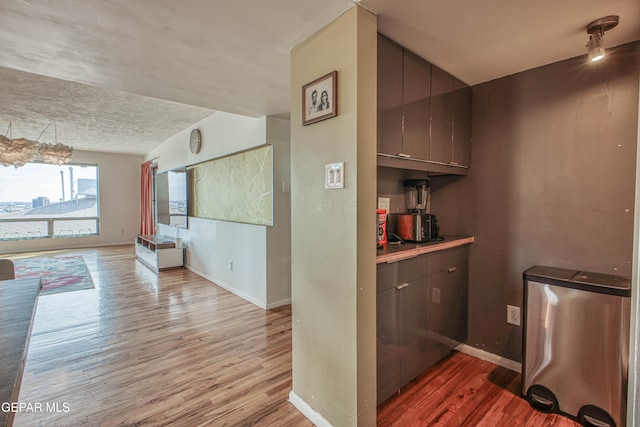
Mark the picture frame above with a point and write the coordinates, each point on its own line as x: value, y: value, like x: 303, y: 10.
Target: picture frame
x: 320, y: 99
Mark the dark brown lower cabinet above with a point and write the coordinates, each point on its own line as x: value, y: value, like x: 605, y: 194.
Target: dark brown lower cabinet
x: 421, y: 315
x: 388, y: 343
x: 447, y: 309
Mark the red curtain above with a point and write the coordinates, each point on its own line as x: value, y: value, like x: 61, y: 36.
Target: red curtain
x: 146, y: 223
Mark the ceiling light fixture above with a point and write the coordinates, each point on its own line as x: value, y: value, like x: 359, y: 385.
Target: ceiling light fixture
x: 596, y: 29
x: 20, y: 151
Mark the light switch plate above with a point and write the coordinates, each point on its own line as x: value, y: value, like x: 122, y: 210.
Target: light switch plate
x: 334, y: 175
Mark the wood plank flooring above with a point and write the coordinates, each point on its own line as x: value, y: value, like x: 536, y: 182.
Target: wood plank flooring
x: 174, y: 349
x: 461, y: 390
x: 143, y: 349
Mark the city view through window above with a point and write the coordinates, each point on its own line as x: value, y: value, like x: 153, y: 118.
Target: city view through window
x: 42, y: 201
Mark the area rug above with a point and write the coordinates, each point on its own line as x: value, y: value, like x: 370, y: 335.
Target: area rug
x: 57, y: 274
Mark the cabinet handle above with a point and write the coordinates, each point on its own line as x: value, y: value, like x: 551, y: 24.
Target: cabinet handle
x: 406, y: 156
x: 452, y: 269
x: 404, y: 285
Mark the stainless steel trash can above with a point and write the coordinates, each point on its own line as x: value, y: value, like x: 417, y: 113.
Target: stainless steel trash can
x: 576, y: 340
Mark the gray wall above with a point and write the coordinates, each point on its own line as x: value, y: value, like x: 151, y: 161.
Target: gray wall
x: 551, y: 182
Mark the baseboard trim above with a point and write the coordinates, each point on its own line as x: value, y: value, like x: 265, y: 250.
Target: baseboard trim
x: 490, y: 357
x: 57, y: 248
x: 308, y: 411
x: 279, y: 303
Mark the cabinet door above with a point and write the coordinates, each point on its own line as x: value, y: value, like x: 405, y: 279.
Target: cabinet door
x: 441, y: 116
x: 412, y: 268
x: 388, y: 342
x: 447, y: 309
x: 444, y: 260
x: 169, y: 258
x: 416, y: 93
x: 461, y: 123
x: 386, y: 276
x: 415, y: 318
x: 389, y: 96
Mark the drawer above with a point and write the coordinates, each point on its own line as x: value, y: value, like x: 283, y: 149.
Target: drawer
x: 386, y: 276
x: 141, y: 251
x: 443, y: 260
x: 412, y: 268
x: 169, y: 258
x: 146, y: 255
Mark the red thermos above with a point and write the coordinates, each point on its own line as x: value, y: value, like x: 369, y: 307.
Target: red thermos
x: 382, y: 226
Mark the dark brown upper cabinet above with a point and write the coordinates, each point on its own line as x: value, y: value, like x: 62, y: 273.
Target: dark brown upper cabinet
x: 390, y: 111
x: 461, y: 123
x: 441, y: 116
x: 424, y: 114
x: 415, y: 95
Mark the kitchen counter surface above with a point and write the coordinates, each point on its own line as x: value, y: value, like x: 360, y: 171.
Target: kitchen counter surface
x: 395, y: 252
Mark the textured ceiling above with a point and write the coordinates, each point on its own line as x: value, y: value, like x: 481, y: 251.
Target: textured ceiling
x: 88, y: 117
x: 135, y: 55
x: 124, y: 75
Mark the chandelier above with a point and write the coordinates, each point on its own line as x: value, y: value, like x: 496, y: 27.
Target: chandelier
x: 20, y: 151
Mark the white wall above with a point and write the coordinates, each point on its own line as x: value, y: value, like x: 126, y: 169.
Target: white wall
x: 211, y: 245
x: 222, y: 134
x: 119, y: 180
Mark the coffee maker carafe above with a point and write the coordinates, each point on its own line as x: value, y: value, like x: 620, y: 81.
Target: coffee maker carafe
x: 416, y: 195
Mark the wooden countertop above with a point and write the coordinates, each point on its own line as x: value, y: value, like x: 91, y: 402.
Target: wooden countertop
x: 392, y: 253
x: 18, y: 300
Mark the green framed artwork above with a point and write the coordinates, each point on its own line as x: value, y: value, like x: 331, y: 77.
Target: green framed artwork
x: 236, y: 188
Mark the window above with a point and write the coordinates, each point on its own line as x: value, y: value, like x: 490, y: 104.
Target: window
x: 45, y: 201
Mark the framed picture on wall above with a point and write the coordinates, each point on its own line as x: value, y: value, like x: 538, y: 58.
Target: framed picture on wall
x: 319, y: 99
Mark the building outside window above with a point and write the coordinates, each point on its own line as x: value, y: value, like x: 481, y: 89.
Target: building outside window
x: 41, y: 200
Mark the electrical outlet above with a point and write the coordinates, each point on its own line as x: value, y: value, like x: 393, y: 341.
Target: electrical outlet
x: 513, y: 315
x: 435, y: 295
x: 230, y: 265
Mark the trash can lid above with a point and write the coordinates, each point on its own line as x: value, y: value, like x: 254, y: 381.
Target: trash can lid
x: 544, y: 272
x: 584, y: 280
x: 599, y: 279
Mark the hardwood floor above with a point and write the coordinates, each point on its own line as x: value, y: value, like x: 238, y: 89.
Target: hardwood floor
x: 143, y: 349
x: 174, y: 349
x: 461, y: 390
